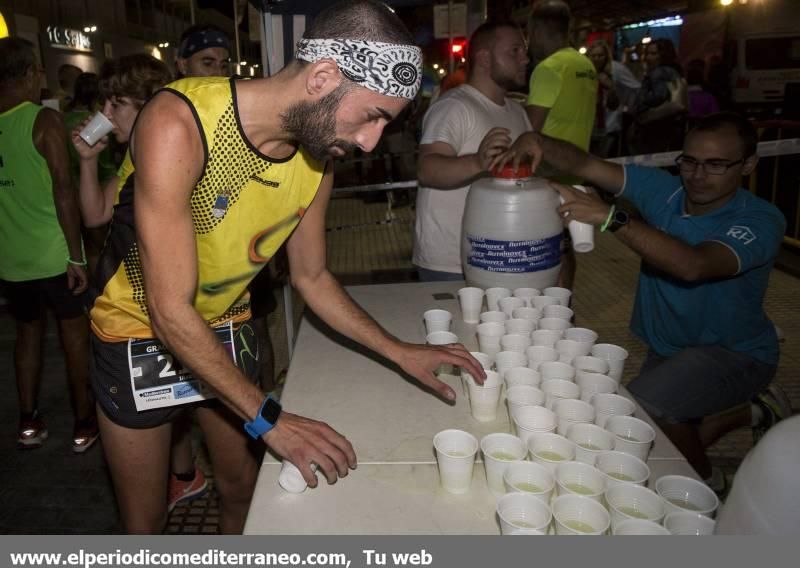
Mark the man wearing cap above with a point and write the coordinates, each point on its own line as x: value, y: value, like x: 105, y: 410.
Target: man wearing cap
x: 226, y: 171
x: 461, y: 133
x: 204, y: 51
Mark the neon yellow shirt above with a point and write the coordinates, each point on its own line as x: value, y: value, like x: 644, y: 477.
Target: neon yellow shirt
x: 566, y: 83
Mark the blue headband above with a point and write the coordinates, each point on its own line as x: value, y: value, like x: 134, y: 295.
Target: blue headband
x: 203, y: 39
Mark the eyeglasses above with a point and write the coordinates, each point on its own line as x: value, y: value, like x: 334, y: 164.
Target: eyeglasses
x: 689, y: 165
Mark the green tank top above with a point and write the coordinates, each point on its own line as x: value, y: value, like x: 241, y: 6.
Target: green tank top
x: 32, y: 244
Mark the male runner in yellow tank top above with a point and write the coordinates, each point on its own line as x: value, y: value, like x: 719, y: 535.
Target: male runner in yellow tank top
x: 225, y: 172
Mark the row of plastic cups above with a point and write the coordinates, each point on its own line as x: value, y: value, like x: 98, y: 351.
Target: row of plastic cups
x: 456, y: 450
x: 589, y: 506
x: 471, y: 299
x: 573, y: 419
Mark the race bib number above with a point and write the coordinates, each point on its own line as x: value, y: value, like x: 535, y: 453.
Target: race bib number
x: 159, y: 380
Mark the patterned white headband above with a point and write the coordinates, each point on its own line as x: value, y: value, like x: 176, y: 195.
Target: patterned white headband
x: 386, y: 68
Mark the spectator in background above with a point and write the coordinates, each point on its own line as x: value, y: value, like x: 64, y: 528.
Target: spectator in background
x: 563, y: 94
x: 701, y: 101
x: 204, y: 51
x: 616, y: 92
x: 41, y: 261
x: 67, y: 75
x: 661, y: 105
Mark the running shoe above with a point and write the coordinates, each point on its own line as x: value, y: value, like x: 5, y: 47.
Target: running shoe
x: 182, y: 491
x: 774, y: 405
x: 32, y: 432
x: 85, y: 434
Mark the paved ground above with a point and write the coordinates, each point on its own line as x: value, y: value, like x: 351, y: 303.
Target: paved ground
x: 52, y: 491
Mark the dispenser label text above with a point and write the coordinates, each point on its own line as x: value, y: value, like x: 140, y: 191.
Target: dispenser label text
x: 514, y: 256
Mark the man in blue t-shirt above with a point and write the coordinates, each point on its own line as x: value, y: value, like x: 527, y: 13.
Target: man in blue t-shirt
x: 707, y: 247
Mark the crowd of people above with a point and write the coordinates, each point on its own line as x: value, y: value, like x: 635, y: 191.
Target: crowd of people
x: 195, y: 155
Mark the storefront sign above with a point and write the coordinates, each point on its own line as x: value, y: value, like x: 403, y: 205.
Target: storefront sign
x: 65, y: 38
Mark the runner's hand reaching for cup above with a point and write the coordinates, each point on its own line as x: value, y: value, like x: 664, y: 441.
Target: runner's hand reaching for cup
x: 421, y: 362
x: 304, y: 441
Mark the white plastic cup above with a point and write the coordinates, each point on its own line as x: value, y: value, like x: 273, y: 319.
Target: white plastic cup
x: 549, y: 450
x: 495, y: 316
x: 530, y: 420
x: 515, y: 342
x: 522, y: 395
x: 582, y: 235
x: 546, y: 337
x: 620, y: 467
x: 689, y: 524
x: 589, y: 364
x: 558, y: 311
x: 520, y: 326
x: 471, y: 301
x: 631, y: 435
x: 500, y: 450
x: 506, y: 360
x: 489, y: 335
x: 594, y: 383
x: 579, y: 515
x: 606, y: 405
x: 581, y: 334
x: 485, y: 360
x: 556, y: 370
x: 527, y: 294
x: 629, y: 501
x: 557, y: 389
x: 522, y: 376
x: 556, y: 324
x: 639, y: 527
x: 563, y: 295
x: 493, y: 296
x: 540, y: 302
x: 97, y: 127
x: 576, y: 478
x: 290, y: 479
x: 590, y: 441
x: 437, y: 320
x: 486, y: 363
x: 522, y: 511
x: 530, y: 478
x: 686, y: 495
x: 509, y: 304
x: 483, y: 399
x: 615, y: 355
x: 568, y: 349
x: 441, y: 338
x: 455, y: 456
x: 527, y: 313
x: 538, y: 354
x: 572, y: 411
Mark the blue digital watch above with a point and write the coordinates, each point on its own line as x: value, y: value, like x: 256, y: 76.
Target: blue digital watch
x: 265, y: 419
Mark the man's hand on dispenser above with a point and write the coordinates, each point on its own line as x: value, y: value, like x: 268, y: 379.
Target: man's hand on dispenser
x: 527, y: 147
x: 496, y: 141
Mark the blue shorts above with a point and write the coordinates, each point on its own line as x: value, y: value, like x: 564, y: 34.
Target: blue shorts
x: 698, y: 382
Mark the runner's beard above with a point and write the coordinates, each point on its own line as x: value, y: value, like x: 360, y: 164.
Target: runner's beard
x: 313, y: 125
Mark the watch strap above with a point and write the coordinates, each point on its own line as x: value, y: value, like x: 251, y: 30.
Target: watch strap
x: 260, y: 425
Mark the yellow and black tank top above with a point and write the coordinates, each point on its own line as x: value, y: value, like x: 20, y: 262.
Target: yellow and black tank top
x: 244, y: 206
